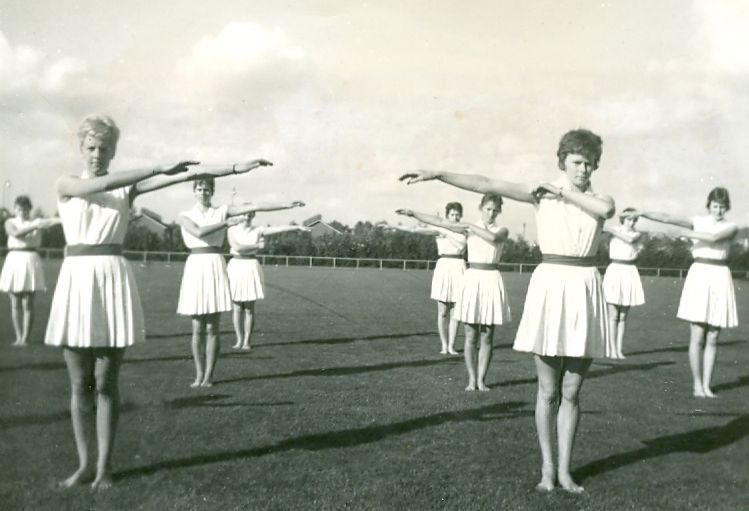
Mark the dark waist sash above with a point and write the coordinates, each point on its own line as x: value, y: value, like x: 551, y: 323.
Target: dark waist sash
x: 205, y: 250
x: 107, y: 249
x: 22, y: 249
x: 483, y: 266
x: 244, y: 256
x: 624, y: 261
x: 568, y: 260
x: 450, y: 256
x: 714, y: 262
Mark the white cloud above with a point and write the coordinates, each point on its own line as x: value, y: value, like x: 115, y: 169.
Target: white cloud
x: 724, y: 27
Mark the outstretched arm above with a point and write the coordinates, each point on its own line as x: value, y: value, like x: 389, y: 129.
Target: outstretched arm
x: 74, y: 186
x: 200, y: 231
x: 666, y: 218
x: 413, y: 230
x: 277, y: 229
x: 629, y: 237
x: 249, y: 207
x: 434, y: 220
x: 161, y: 181
x: 474, y: 183
x: 487, y: 235
x: 601, y: 206
x: 38, y: 223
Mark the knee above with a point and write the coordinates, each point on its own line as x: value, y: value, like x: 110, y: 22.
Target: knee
x: 548, y: 394
x: 571, y: 393
x: 106, y: 385
x: 82, y: 385
x: 211, y: 330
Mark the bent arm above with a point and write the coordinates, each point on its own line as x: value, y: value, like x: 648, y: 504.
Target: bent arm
x: 487, y: 235
x: 19, y: 232
x: 200, y: 231
x: 726, y: 234
x: 629, y: 237
x: 601, y: 206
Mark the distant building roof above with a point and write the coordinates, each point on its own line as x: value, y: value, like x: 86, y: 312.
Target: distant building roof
x: 318, y: 227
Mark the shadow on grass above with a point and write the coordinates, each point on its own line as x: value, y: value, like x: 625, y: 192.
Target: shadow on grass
x: 345, y: 340
x: 742, y: 381
x: 680, y: 348
x: 208, y: 401
x: 336, y: 439
x: 344, y: 371
x: 594, y: 373
x: 48, y: 418
x: 698, y: 441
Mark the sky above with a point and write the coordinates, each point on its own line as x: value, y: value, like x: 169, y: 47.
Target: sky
x: 345, y: 96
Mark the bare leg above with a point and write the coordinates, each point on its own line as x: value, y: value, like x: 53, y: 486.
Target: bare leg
x: 80, y: 364
x: 469, y: 352
x: 16, y: 315
x: 623, y: 310
x: 237, y: 312
x: 573, y: 374
x: 27, y: 304
x: 548, y: 370
x: 212, y: 347
x: 107, y: 371
x: 443, y: 325
x: 485, y: 354
x: 198, y: 347
x: 249, y: 325
x: 711, y: 352
x: 613, y: 313
x: 696, y: 341
x: 453, y: 329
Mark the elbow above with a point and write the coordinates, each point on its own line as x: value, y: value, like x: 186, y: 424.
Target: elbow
x: 608, y: 211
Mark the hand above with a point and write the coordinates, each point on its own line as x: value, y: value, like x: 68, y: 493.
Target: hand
x: 241, y: 168
x: 261, y: 244
x: 417, y: 176
x: 304, y: 229
x: 405, y: 212
x: 178, y: 168
x: 297, y: 204
x: 234, y: 220
x: 544, y: 190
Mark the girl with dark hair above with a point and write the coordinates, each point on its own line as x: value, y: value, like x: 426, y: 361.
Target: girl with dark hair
x: 482, y: 302
x: 22, y: 274
x: 564, y: 320
x: 447, y: 279
x: 708, y: 299
x: 622, y: 286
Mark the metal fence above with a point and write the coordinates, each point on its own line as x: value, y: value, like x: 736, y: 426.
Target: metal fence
x: 356, y: 262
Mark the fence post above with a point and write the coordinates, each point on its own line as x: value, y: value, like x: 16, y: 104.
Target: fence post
x: 334, y: 261
x: 145, y: 256
x: 380, y: 264
x: 357, y: 263
x: 404, y: 265
x: 287, y: 260
x: 310, y: 261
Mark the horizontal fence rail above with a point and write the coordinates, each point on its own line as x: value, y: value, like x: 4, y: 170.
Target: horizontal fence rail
x: 355, y: 262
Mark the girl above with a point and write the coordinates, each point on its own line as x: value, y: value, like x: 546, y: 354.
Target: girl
x: 96, y: 311
x: 622, y: 287
x: 481, y: 303
x: 204, y: 292
x: 22, y: 274
x: 246, y: 275
x: 447, y: 279
x: 564, y: 320
x: 708, y: 300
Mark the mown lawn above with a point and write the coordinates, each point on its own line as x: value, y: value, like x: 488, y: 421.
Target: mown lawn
x: 345, y: 403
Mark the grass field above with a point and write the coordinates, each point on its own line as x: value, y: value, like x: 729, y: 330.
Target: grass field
x: 345, y: 403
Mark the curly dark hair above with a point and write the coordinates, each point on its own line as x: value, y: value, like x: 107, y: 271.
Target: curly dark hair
x: 580, y: 141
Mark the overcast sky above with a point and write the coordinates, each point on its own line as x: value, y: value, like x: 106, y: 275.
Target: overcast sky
x: 343, y: 96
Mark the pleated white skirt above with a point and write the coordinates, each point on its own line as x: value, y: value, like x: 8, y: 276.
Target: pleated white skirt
x: 245, y: 279
x: 95, y: 305
x: 622, y: 285
x: 447, y: 279
x: 564, y: 313
x: 205, y: 286
x: 482, y: 299
x: 708, y: 296
x: 22, y: 273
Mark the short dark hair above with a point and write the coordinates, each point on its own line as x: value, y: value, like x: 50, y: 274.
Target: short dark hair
x: 457, y: 206
x: 580, y: 141
x: 23, y: 201
x: 625, y: 214
x: 492, y: 197
x: 209, y: 181
x: 719, y: 194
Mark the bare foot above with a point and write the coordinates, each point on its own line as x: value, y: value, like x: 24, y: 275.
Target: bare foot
x: 452, y: 352
x: 698, y: 392
x: 443, y: 351
x: 569, y: 485
x: 196, y: 383
x: 621, y: 356
x: 207, y: 383
x: 548, y: 477
x: 709, y: 393
x: 236, y: 346
x: 483, y: 388
x: 80, y: 476
x: 102, y: 482
x: 471, y: 387
x: 246, y: 347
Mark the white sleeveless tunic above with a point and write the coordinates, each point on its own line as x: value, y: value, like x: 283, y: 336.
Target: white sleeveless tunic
x: 205, y: 285
x: 565, y: 312
x: 22, y: 271
x: 245, y: 275
x: 447, y: 279
x: 621, y: 283
x: 96, y: 302
x: 708, y: 295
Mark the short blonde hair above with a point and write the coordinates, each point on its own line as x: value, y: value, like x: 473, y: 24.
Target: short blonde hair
x: 99, y: 126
